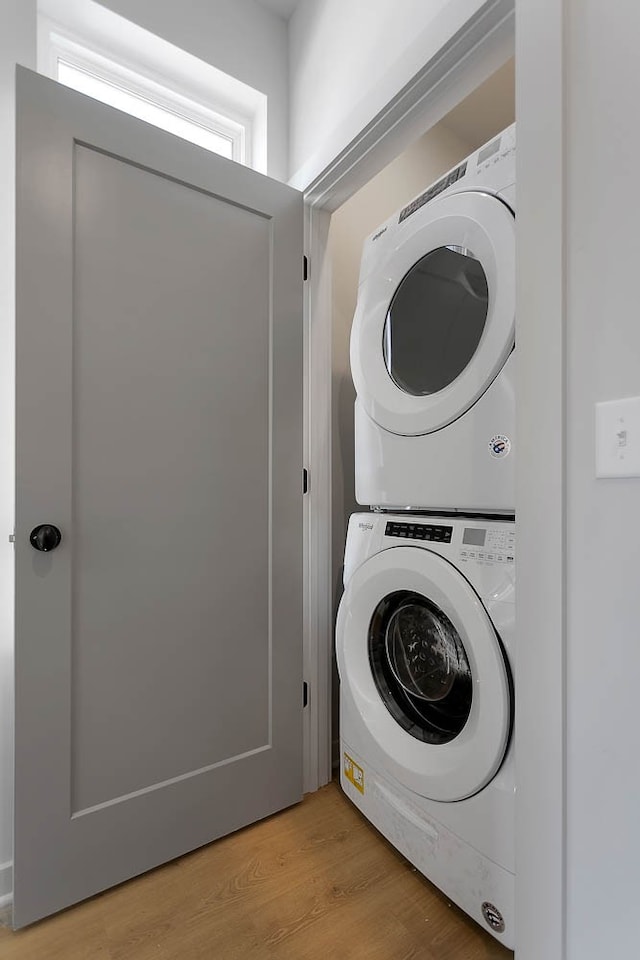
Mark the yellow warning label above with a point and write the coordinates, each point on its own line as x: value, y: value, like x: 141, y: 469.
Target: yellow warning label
x: 354, y: 773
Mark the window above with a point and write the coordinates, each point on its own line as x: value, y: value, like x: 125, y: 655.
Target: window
x: 151, y: 102
x: 119, y: 63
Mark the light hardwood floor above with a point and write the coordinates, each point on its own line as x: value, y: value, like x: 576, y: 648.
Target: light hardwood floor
x: 311, y: 883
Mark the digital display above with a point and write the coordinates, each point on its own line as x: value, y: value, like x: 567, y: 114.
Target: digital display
x: 474, y: 536
x: 419, y: 531
x: 488, y: 151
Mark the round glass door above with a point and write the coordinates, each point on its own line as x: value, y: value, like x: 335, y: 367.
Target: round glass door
x: 435, y: 317
x: 424, y: 681
x: 435, y: 320
x: 420, y: 667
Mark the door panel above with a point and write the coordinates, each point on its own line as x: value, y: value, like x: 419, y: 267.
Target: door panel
x: 156, y: 350
x: 158, y: 649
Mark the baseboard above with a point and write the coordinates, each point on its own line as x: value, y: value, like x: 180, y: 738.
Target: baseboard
x: 6, y: 911
x: 6, y: 891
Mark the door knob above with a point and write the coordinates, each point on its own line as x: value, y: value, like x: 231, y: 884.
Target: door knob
x: 45, y: 537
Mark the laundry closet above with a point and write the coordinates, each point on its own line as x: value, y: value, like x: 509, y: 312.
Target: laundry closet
x: 423, y: 325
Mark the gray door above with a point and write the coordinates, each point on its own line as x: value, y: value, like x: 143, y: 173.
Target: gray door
x: 159, y: 398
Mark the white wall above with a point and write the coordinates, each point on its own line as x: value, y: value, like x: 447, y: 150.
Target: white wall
x: 17, y: 43
x: 348, y: 60
x: 540, y: 482
x: 603, y: 516
x: 238, y: 37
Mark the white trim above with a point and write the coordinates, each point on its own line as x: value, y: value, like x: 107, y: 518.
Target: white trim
x: 485, y: 44
x: 6, y: 910
x: 318, y: 530
x: 541, y: 482
x: 6, y: 886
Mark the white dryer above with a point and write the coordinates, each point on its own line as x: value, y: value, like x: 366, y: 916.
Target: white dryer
x: 425, y: 645
x: 432, y: 344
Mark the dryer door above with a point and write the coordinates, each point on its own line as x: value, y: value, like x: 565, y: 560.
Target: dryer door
x: 434, y: 324
x: 422, y: 665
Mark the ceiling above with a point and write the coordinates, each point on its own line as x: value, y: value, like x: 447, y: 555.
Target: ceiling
x: 283, y: 8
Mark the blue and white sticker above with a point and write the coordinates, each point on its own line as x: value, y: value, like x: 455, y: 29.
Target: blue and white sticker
x: 499, y: 446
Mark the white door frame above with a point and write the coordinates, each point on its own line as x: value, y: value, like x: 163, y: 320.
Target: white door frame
x: 485, y: 44
x: 541, y: 894
x: 471, y: 56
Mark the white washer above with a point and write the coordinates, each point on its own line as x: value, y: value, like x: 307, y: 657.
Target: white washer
x: 432, y: 344
x: 425, y: 645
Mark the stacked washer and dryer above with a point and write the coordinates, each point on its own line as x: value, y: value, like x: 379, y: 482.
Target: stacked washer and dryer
x: 425, y: 633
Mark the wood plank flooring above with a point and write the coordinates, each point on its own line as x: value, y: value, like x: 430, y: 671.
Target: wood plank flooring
x: 311, y: 883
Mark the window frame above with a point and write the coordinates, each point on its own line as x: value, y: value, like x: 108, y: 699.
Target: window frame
x: 237, y: 122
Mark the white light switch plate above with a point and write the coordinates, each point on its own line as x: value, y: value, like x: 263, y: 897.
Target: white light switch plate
x: 618, y: 438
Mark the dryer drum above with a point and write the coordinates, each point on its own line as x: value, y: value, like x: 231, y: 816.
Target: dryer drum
x: 420, y: 667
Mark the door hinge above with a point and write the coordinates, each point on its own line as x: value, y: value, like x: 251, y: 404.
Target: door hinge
x: 305, y: 694
x: 305, y: 268
x: 12, y: 538
x: 305, y: 481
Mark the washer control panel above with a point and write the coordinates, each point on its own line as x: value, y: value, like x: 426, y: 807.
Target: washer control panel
x: 488, y: 545
x: 419, y: 531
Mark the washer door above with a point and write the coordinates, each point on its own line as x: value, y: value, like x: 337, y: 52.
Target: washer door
x: 420, y: 660
x: 435, y: 323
